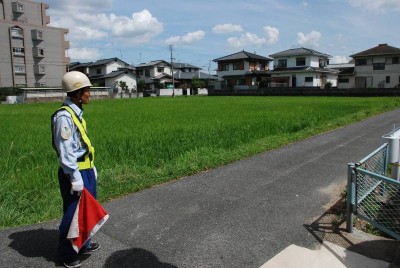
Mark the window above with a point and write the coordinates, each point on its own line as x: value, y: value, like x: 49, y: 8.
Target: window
x: 20, y: 7
x: 395, y: 60
x: 360, y: 62
x: 308, y: 79
x: 139, y: 72
x: 41, y: 52
x: 160, y: 69
x: 147, y: 72
x: 344, y: 80
x: 238, y: 66
x: 379, y: 66
x: 300, y: 61
x: 17, y: 32
x: 19, y: 68
x: 18, y: 51
x: 223, y: 67
x: 387, y: 79
x: 98, y: 71
x: 282, y: 63
x: 42, y: 69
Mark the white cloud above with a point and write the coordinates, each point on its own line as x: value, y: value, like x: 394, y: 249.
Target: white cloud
x: 140, y: 28
x: 376, y: 5
x: 310, y: 39
x: 226, y: 28
x: 84, y: 54
x: 338, y: 59
x: 272, y: 35
x: 246, y: 39
x: 187, y: 38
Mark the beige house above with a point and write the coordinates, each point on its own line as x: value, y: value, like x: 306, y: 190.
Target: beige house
x: 32, y: 54
x: 242, y: 70
x: 377, y: 67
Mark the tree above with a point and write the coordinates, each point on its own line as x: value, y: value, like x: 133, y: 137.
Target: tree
x: 123, y: 86
x: 198, y: 83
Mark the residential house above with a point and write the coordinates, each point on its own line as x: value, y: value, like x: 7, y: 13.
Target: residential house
x: 242, y: 70
x: 32, y: 54
x: 108, y: 73
x: 377, y: 67
x: 346, y: 75
x: 302, y: 67
x: 155, y: 73
x: 185, y: 72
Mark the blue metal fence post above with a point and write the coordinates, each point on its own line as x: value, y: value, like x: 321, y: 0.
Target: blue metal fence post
x: 350, y: 197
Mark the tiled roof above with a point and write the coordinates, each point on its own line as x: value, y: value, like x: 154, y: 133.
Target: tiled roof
x: 299, y: 52
x: 243, y: 55
x: 381, y: 49
x: 105, y: 61
x: 152, y: 63
x: 184, y: 65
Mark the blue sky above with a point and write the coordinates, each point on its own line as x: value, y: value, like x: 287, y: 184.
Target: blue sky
x: 200, y: 31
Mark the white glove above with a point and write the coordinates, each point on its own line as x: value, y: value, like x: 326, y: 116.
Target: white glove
x: 77, y: 186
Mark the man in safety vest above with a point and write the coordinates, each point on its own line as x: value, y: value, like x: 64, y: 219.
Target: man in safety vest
x: 76, y: 157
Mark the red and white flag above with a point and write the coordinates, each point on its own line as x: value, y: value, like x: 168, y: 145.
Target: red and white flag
x: 88, y: 218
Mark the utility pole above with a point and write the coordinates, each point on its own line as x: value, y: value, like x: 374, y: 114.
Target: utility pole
x: 172, y: 72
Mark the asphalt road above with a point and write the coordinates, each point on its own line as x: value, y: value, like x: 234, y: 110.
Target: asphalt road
x: 237, y: 215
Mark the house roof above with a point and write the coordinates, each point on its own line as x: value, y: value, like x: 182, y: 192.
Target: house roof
x: 304, y: 69
x: 184, y: 65
x: 105, y: 61
x: 243, y: 55
x: 381, y: 49
x: 111, y: 75
x: 152, y: 63
x: 299, y: 52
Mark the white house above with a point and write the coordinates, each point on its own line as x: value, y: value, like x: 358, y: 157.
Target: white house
x: 377, y: 67
x: 154, y: 73
x: 108, y: 72
x: 302, y: 67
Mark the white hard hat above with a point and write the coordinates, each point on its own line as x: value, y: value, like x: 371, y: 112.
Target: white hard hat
x: 74, y: 80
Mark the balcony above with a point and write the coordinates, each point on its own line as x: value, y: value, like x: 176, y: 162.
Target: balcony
x: 19, y: 69
x: 38, y: 52
x: 39, y: 69
x: 17, y: 7
x: 37, y: 35
x: 18, y: 51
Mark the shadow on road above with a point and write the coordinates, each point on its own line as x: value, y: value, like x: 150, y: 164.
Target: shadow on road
x: 135, y: 258
x: 36, y: 243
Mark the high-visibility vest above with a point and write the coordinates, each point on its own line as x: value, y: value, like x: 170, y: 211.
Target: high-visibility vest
x: 87, y: 160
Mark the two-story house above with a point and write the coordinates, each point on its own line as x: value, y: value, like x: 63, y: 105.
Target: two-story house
x: 107, y: 72
x: 242, y: 70
x: 377, y: 67
x: 155, y: 73
x: 302, y: 67
x: 185, y: 72
x: 32, y: 54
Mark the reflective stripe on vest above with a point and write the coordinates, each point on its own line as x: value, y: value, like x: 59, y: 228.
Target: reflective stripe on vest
x: 87, y: 160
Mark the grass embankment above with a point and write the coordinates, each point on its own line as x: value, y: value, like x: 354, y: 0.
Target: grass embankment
x: 143, y: 142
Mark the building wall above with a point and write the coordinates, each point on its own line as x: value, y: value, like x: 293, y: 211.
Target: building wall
x: 378, y: 78
x: 51, y: 61
x: 128, y: 78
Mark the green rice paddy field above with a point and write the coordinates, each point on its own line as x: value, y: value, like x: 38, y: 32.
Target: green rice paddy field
x: 147, y: 141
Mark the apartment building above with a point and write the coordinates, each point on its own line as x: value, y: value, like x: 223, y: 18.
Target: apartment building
x: 32, y: 54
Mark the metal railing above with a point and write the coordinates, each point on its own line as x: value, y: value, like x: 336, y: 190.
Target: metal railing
x: 371, y: 195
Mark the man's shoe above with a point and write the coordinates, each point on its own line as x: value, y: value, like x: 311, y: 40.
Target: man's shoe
x: 72, y: 263
x: 92, y: 248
